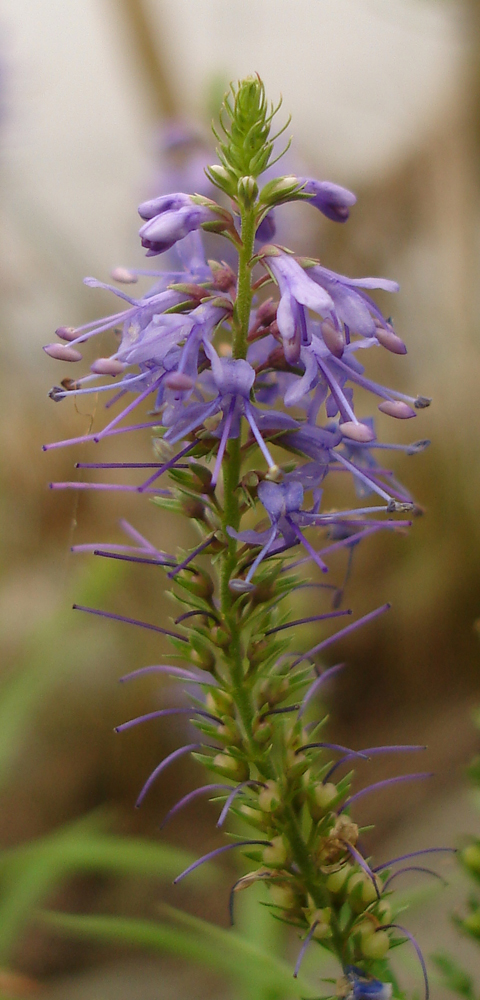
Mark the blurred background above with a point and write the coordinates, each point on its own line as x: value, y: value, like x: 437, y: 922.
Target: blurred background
x: 101, y: 102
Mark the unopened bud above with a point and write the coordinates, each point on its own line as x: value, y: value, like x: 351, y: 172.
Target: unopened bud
x: 375, y: 946
x: 231, y: 767
x: 269, y: 798
x: 276, y: 854
x: 336, y: 882
x: 219, y: 702
x: 471, y: 857
x: 322, y: 798
x: 202, y: 658
x: 284, y: 896
x: 247, y: 190
x: 222, y: 179
x: 279, y: 189
x: 266, y: 312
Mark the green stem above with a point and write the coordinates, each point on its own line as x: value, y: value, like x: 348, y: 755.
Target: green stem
x: 231, y: 478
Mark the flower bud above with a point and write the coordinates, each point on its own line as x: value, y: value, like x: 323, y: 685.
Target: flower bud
x: 383, y: 911
x: 337, y: 881
x: 203, y: 658
x: 198, y: 583
x: 269, y: 798
x: 279, y: 189
x: 192, y: 508
x: 376, y: 945
x: 276, y: 854
x: 228, y: 733
x: 219, y: 702
x: 222, y: 179
x: 231, y: 767
x: 220, y: 637
x: 471, y: 857
x: 262, y: 731
x: 273, y: 689
x: 321, y: 798
x: 247, y: 191
x: 284, y: 896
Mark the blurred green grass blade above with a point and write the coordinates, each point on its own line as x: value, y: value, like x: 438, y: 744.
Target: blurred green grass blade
x: 254, y: 923
x: 45, y: 660
x: 454, y: 977
x: 33, y: 869
x: 274, y: 971
x: 219, y: 950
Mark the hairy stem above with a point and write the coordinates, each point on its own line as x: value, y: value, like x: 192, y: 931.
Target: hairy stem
x: 231, y: 478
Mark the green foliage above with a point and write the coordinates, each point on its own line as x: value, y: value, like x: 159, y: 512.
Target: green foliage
x: 246, y: 146
x: 30, y: 871
x: 248, y: 966
x: 455, y: 978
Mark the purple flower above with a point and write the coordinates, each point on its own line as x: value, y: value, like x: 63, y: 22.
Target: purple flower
x: 171, y: 217
x: 283, y: 502
x: 232, y: 380
x: 332, y: 200
x: 365, y: 987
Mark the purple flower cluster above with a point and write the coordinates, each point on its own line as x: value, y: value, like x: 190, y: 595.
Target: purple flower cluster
x: 302, y: 353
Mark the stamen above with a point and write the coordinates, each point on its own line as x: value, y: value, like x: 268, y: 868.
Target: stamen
x: 163, y: 713
x: 191, y: 614
x: 105, y: 487
x: 317, y: 684
x: 233, y: 794
x: 129, y: 621
x: 261, y: 555
x: 214, y: 854
x: 363, y: 864
x: 164, y: 668
x: 415, y: 854
x: 304, y: 948
x: 279, y: 711
x: 165, y: 467
x: 203, y: 545
x: 333, y: 746
x: 258, y: 437
x: 313, y: 555
x: 83, y: 439
x: 420, y: 957
x: 223, y: 442
x: 383, y: 784
x: 362, y: 476
x: 414, y: 868
x: 135, y: 559
x: 165, y: 763
x: 343, y: 632
x: 204, y: 790
x: 306, y: 621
